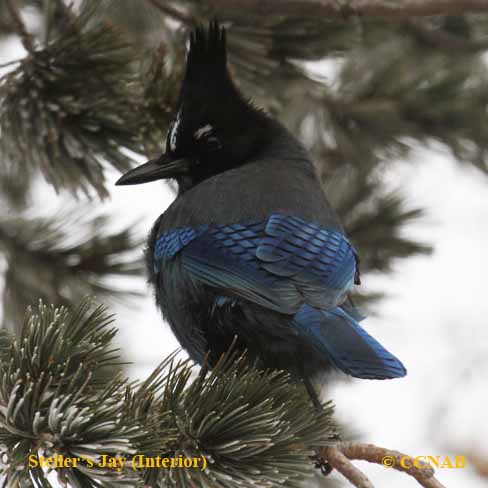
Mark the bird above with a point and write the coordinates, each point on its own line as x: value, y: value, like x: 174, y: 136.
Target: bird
x: 251, y: 253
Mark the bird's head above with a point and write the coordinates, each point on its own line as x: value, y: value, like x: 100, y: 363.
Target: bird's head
x: 215, y: 128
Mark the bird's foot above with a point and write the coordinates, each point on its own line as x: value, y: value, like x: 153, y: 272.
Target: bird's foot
x: 322, y: 464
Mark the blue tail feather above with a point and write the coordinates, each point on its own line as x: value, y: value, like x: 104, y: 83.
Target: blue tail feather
x: 346, y: 344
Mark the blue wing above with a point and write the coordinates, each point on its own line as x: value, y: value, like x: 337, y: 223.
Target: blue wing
x: 293, y: 267
x: 280, y: 263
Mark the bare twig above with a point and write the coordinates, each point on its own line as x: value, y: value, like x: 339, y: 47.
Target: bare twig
x: 340, y: 454
x: 20, y: 27
x: 342, y: 464
x: 350, y: 8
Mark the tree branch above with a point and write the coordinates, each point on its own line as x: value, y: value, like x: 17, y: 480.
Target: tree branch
x: 342, y: 464
x: 442, y: 39
x: 20, y: 26
x: 9, y: 63
x: 350, y: 8
x: 340, y: 454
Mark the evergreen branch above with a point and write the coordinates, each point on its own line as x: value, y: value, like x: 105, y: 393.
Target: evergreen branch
x: 340, y: 454
x: 69, y: 125
x: 253, y: 427
x: 67, y: 345
x: 56, y: 16
x: 145, y: 24
x: 341, y: 9
x: 160, y: 94
x: 14, y: 186
x: 9, y: 63
x: 382, y: 106
x: 239, y: 418
x: 442, y: 39
x: 52, y: 402
x: 19, y: 24
x: 375, y: 226
x: 438, y: 101
x: 374, y: 223
x: 373, y: 218
x: 46, y: 258
x: 6, y: 25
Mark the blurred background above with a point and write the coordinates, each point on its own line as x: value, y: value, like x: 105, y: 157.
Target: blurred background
x: 394, y: 112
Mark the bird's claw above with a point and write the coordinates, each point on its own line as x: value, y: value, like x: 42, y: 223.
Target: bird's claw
x: 322, y: 464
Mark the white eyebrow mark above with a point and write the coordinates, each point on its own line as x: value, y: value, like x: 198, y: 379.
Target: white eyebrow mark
x: 174, y: 131
x: 202, y: 131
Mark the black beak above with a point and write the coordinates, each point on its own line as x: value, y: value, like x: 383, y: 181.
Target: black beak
x: 156, y: 169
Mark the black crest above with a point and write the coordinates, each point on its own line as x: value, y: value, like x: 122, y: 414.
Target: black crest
x: 207, y: 57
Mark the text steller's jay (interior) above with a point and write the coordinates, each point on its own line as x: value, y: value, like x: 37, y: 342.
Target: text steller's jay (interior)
x: 250, y: 249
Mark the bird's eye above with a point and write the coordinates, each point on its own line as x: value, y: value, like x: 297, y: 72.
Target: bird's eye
x: 206, y: 138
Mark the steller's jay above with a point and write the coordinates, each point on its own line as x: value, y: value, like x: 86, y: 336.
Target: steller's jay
x: 251, y: 249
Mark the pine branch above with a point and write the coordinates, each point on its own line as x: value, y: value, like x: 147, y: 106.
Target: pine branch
x: 349, y: 8
x: 15, y: 185
x: 382, y: 105
x: 74, y: 106
x: 6, y: 26
x: 253, y: 427
x: 374, y: 218
x: 142, y: 21
x: 445, y: 40
x: 160, y: 89
x: 386, y: 103
x: 20, y: 26
x: 49, y: 394
x: 375, y: 226
x: 64, y: 258
x: 339, y: 457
